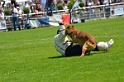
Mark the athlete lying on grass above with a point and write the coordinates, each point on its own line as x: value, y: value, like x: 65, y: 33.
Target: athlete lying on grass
x: 70, y: 49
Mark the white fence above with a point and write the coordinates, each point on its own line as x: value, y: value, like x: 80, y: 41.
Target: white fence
x: 99, y: 12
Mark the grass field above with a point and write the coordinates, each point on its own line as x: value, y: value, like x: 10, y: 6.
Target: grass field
x: 30, y: 56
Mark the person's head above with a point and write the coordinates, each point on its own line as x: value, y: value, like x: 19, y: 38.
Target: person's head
x: 61, y: 31
x: 34, y: 7
x: 18, y: 8
x: 26, y: 2
x: 61, y: 28
x: 37, y: 0
x: 64, y: 4
x: 30, y: 3
x: 83, y: 9
x: 90, y: 0
x: 12, y: 6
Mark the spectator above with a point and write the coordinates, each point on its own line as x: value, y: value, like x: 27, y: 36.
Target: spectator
x: 2, y: 21
x: 98, y: 2
x: 65, y: 7
x: 66, y: 1
x: 59, y: 1
x: 20, y: 13
x: 107, y: 8
x: 31, y: 7
x: 26, y: 5
x: 90, y: 3
x: 101, y: 2
x: 54, y: 6
x: 13, y: 2
x: 1, y: 13
x: 106, y: 2
x: 15, y: 19
x: 16, y: 5
x: 82, y: 14
x: 43, y: 4
x: 90, y: 10
x: 35, y: 11
x: 38, y: 6
x: 55, y: 2
x: 29, y: 1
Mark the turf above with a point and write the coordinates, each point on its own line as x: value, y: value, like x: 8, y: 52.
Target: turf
x: 30, y: 56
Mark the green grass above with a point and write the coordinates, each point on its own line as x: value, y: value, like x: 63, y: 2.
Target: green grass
x: 30, y: 56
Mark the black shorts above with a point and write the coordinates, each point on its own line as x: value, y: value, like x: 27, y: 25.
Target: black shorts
x: 74, y: 50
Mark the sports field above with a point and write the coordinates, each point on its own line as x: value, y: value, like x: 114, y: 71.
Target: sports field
x: 30, y: 56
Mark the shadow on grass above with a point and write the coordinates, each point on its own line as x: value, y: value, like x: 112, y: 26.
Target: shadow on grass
x: 92, y: 53
x: 54, y: 57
